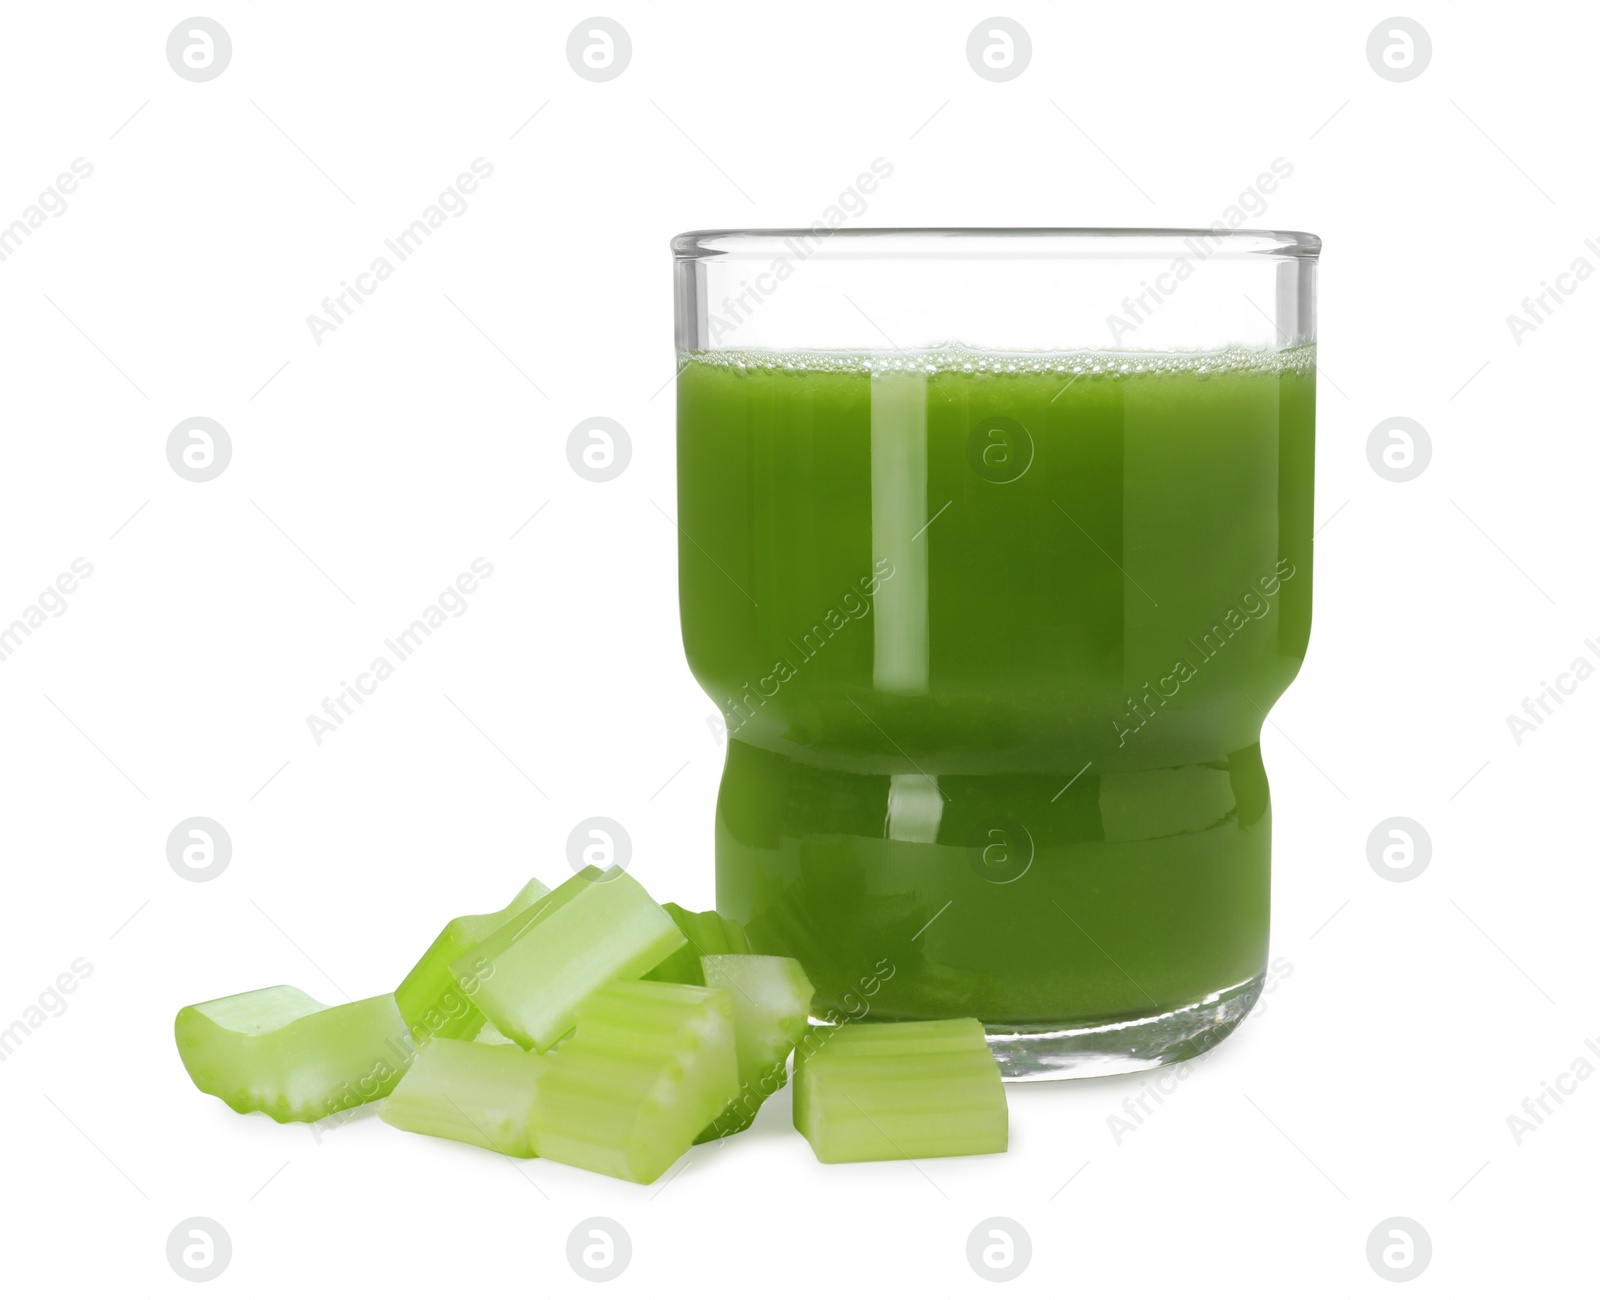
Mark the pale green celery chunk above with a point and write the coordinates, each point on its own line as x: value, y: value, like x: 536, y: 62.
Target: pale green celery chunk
x: 429, y: 998
x: 651, y: 1064
x: 771, y: 1003
x: 531, y: 975
x: 280, y: 1051
x: 707, y: 933
x: 900, y: 1091
x: 470, y: 1092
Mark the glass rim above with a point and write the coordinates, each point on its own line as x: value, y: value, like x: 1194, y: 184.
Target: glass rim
x: 996, y: 242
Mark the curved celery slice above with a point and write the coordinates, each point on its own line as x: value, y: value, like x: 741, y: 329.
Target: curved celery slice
x: 530, y: 976
x: 280, y: 1051
x: 429, y: 997
x: 649, y: 1067
x: 469, y: 1092
x: 707, y: 933
x: 901, y: 1091
x: 771, y: 1001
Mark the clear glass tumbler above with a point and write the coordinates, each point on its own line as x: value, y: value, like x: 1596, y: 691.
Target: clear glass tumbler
x: 996, y: 549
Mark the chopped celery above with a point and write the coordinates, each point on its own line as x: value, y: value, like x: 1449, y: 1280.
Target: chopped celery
x: 771, y: 1000
x: 900, y: 1091
x: 530, y: 976
x: 282, y: 1052
x: 489, y: 1034
x: 650, y: 1066
x: 707, y: 933
x: 429, y: 997
x: 471, y: 1092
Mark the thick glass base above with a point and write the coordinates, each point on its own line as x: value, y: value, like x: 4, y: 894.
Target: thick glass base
x: 1081, y: 1051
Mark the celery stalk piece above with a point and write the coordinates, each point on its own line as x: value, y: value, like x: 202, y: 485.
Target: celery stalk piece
x: 429, y: 997
x: 707, y: 933
x: 650, y: 1066
x: 771, y: 1003
x: 900, y: 1091
x: 282, y: 1052
x: 531, y: 975
x: 469, y: 1092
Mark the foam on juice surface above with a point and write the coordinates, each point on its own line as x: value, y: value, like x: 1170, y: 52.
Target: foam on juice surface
x: 956, y: 358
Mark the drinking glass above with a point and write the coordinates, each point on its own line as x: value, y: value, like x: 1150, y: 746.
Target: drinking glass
x: 995, y: 550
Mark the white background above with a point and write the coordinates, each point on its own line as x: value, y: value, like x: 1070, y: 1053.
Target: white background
x: 427, y: 430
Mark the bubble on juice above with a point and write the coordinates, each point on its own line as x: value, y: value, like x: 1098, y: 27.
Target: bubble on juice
x: 958, y: 358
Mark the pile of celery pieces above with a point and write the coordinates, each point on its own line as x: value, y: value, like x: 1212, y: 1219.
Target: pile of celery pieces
x: 589, y: 1025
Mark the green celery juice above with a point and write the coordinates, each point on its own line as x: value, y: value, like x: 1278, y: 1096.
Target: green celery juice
x: 993, y: 637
